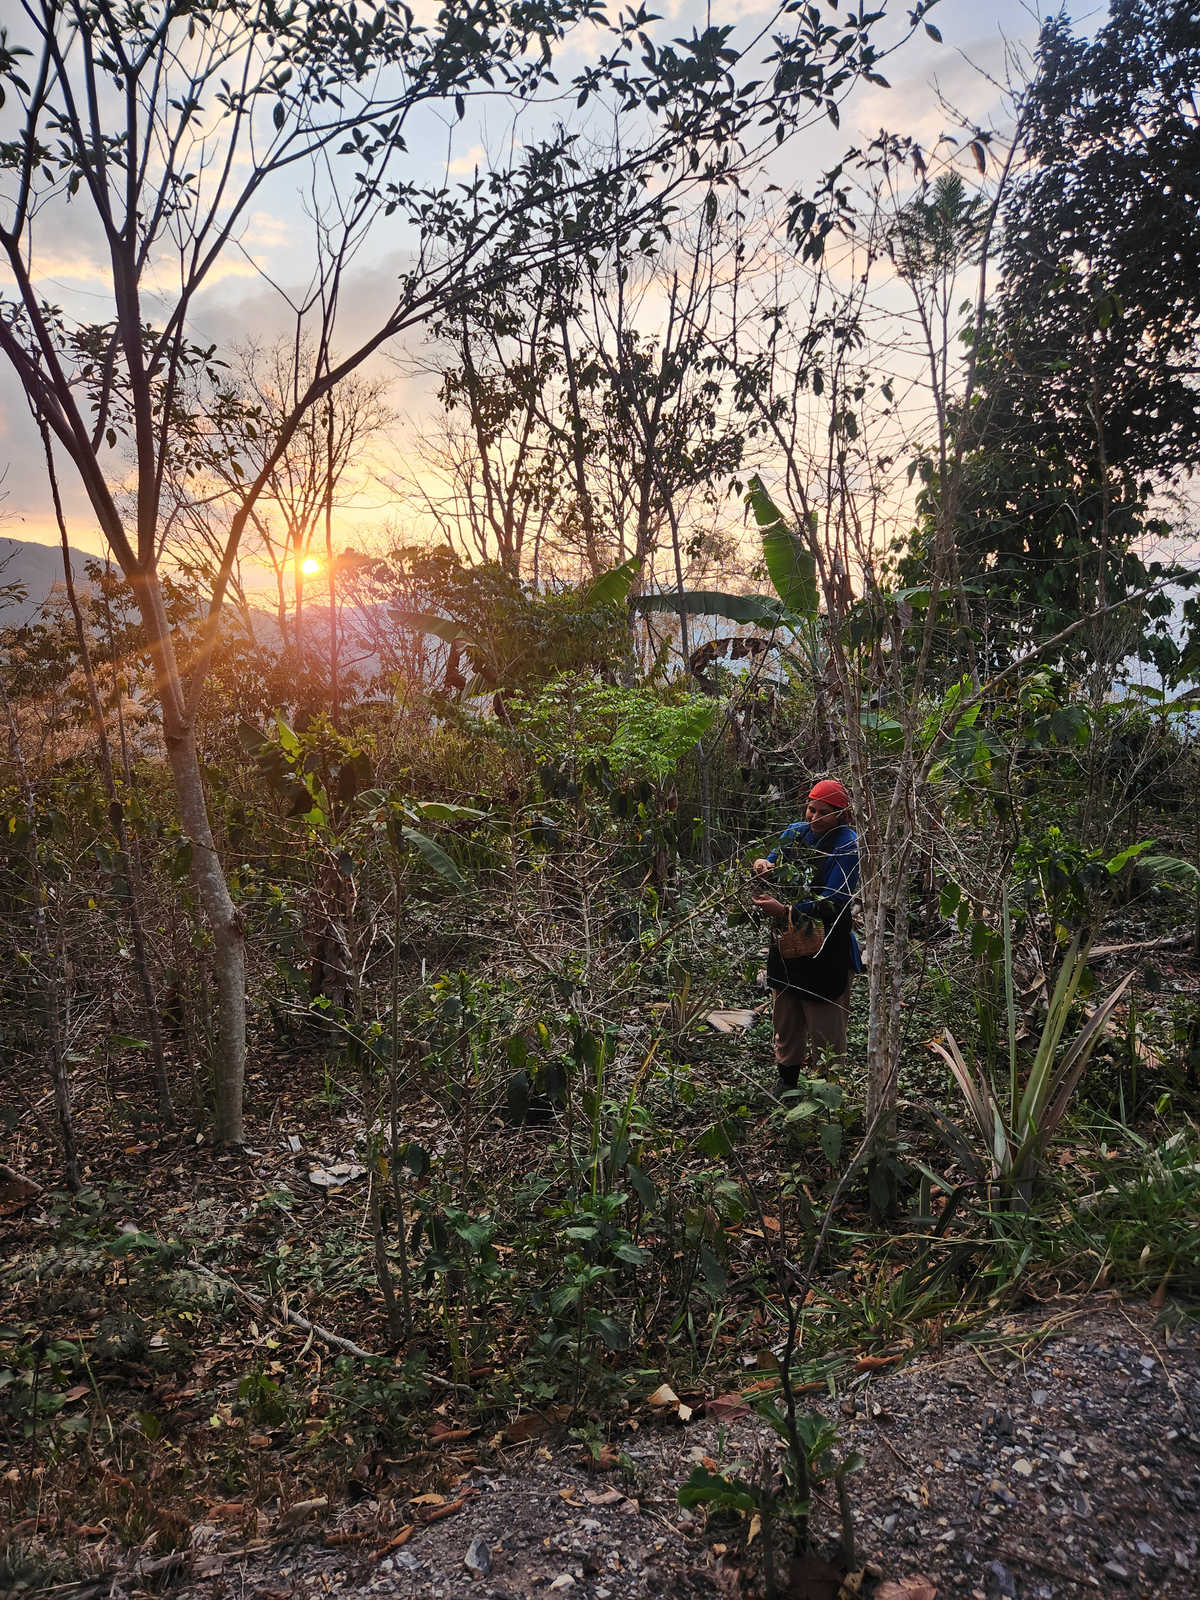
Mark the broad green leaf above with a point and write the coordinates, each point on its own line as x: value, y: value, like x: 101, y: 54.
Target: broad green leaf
x: 435, y: 857
x: 755, y: 608
x: 790, y: 564
x: 1116, y: 862
x: 612, y: 588
x: 287, y: 739
x: 607, y: 1329
x: 427, y: 622
x: 1172, y: 870
x: 444, y: 811
x: 715, y: 1142
x: 709, y: 1488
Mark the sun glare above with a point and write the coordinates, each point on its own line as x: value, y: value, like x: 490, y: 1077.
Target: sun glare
x: 309, y: 566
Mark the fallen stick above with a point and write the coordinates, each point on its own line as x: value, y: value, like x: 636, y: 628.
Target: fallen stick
x: 1166, y: 943
x: 285, y: 1314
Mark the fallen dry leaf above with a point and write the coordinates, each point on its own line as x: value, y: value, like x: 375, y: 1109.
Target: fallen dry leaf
x: 812, y: 1578
x: 441, y: 1434
x: 226, y: 1510
x: 603, y: 1497
x: 302, y: 1509
x: 439, y: 1512
x: 730, y: 1021
x: 402, y: 1537
x: 664, y: 1398
x: 915, y: 1588
x: 428, y: 1500
x: 530, y: 1426
x: 726, y: 1407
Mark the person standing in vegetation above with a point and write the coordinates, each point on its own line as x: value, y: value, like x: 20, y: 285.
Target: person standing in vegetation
x: 812, y: 992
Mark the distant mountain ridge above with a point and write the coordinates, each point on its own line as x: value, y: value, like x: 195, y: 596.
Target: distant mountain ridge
x: 37, y: 568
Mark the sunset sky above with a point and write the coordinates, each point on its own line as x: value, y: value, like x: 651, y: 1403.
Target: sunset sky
x: 240, y: 301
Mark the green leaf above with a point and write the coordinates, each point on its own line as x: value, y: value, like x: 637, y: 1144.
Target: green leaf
x: 428, y: 622
x: 444, y: 811
x: 641, y: 1184
x: 288, y: 741
x: 434, y: 856
x: 607, y: 1329
x: 1115, y: 864
x: 1171, y: 870
x: 612, y: 588
x: 709, y: 1488
x: 747, y: 608
x: 715, y: 1142
x: 789, y: 562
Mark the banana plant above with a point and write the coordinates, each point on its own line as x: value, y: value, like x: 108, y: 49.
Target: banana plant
x: 791, y: 612
x: 607, y: 592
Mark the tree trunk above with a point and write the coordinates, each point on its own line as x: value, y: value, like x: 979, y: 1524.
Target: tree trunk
x: 208, y: 876
x: 225, y: 927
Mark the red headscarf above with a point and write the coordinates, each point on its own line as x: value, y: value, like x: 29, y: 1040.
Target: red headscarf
x: 829, y: 792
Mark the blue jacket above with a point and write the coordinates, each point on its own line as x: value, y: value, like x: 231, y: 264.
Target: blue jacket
x: 835, y: 875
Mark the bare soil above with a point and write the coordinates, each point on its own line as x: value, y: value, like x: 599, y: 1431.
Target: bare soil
x: 1054, y: 1456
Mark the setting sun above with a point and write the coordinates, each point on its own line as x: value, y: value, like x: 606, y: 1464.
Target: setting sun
x: 309, y: 566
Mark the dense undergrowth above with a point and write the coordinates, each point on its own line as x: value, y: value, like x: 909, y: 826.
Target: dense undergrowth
x: 515, y: 1156
x: 582, y: 1188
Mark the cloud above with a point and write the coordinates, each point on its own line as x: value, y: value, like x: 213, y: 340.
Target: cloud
x: 464, y: 166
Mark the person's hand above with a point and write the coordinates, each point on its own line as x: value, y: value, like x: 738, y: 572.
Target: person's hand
x: 761, y: 866
x: 769, y: 904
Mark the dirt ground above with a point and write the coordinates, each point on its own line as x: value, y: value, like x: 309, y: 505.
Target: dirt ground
x: 1059, y: 1456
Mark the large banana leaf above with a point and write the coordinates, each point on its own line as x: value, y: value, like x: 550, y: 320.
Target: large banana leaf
x: 434, y: 856
x: 756, y: 608
x: 789, y: 561
x: 612, y: 588
x: 428, y: 622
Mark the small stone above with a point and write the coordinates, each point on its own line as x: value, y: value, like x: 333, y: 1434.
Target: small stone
x: 563, y: 1581
x: 1000, y: 1580
x: 1040, y: 1396
x: 889, y: 1523
x: 1116, y: 1570
x: 478, y: 1559
x: 1023, y: 1466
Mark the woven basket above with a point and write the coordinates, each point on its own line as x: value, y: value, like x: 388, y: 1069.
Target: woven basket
x: 804, y: 938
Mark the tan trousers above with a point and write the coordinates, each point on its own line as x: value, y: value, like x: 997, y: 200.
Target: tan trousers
x: 808, y: 1030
